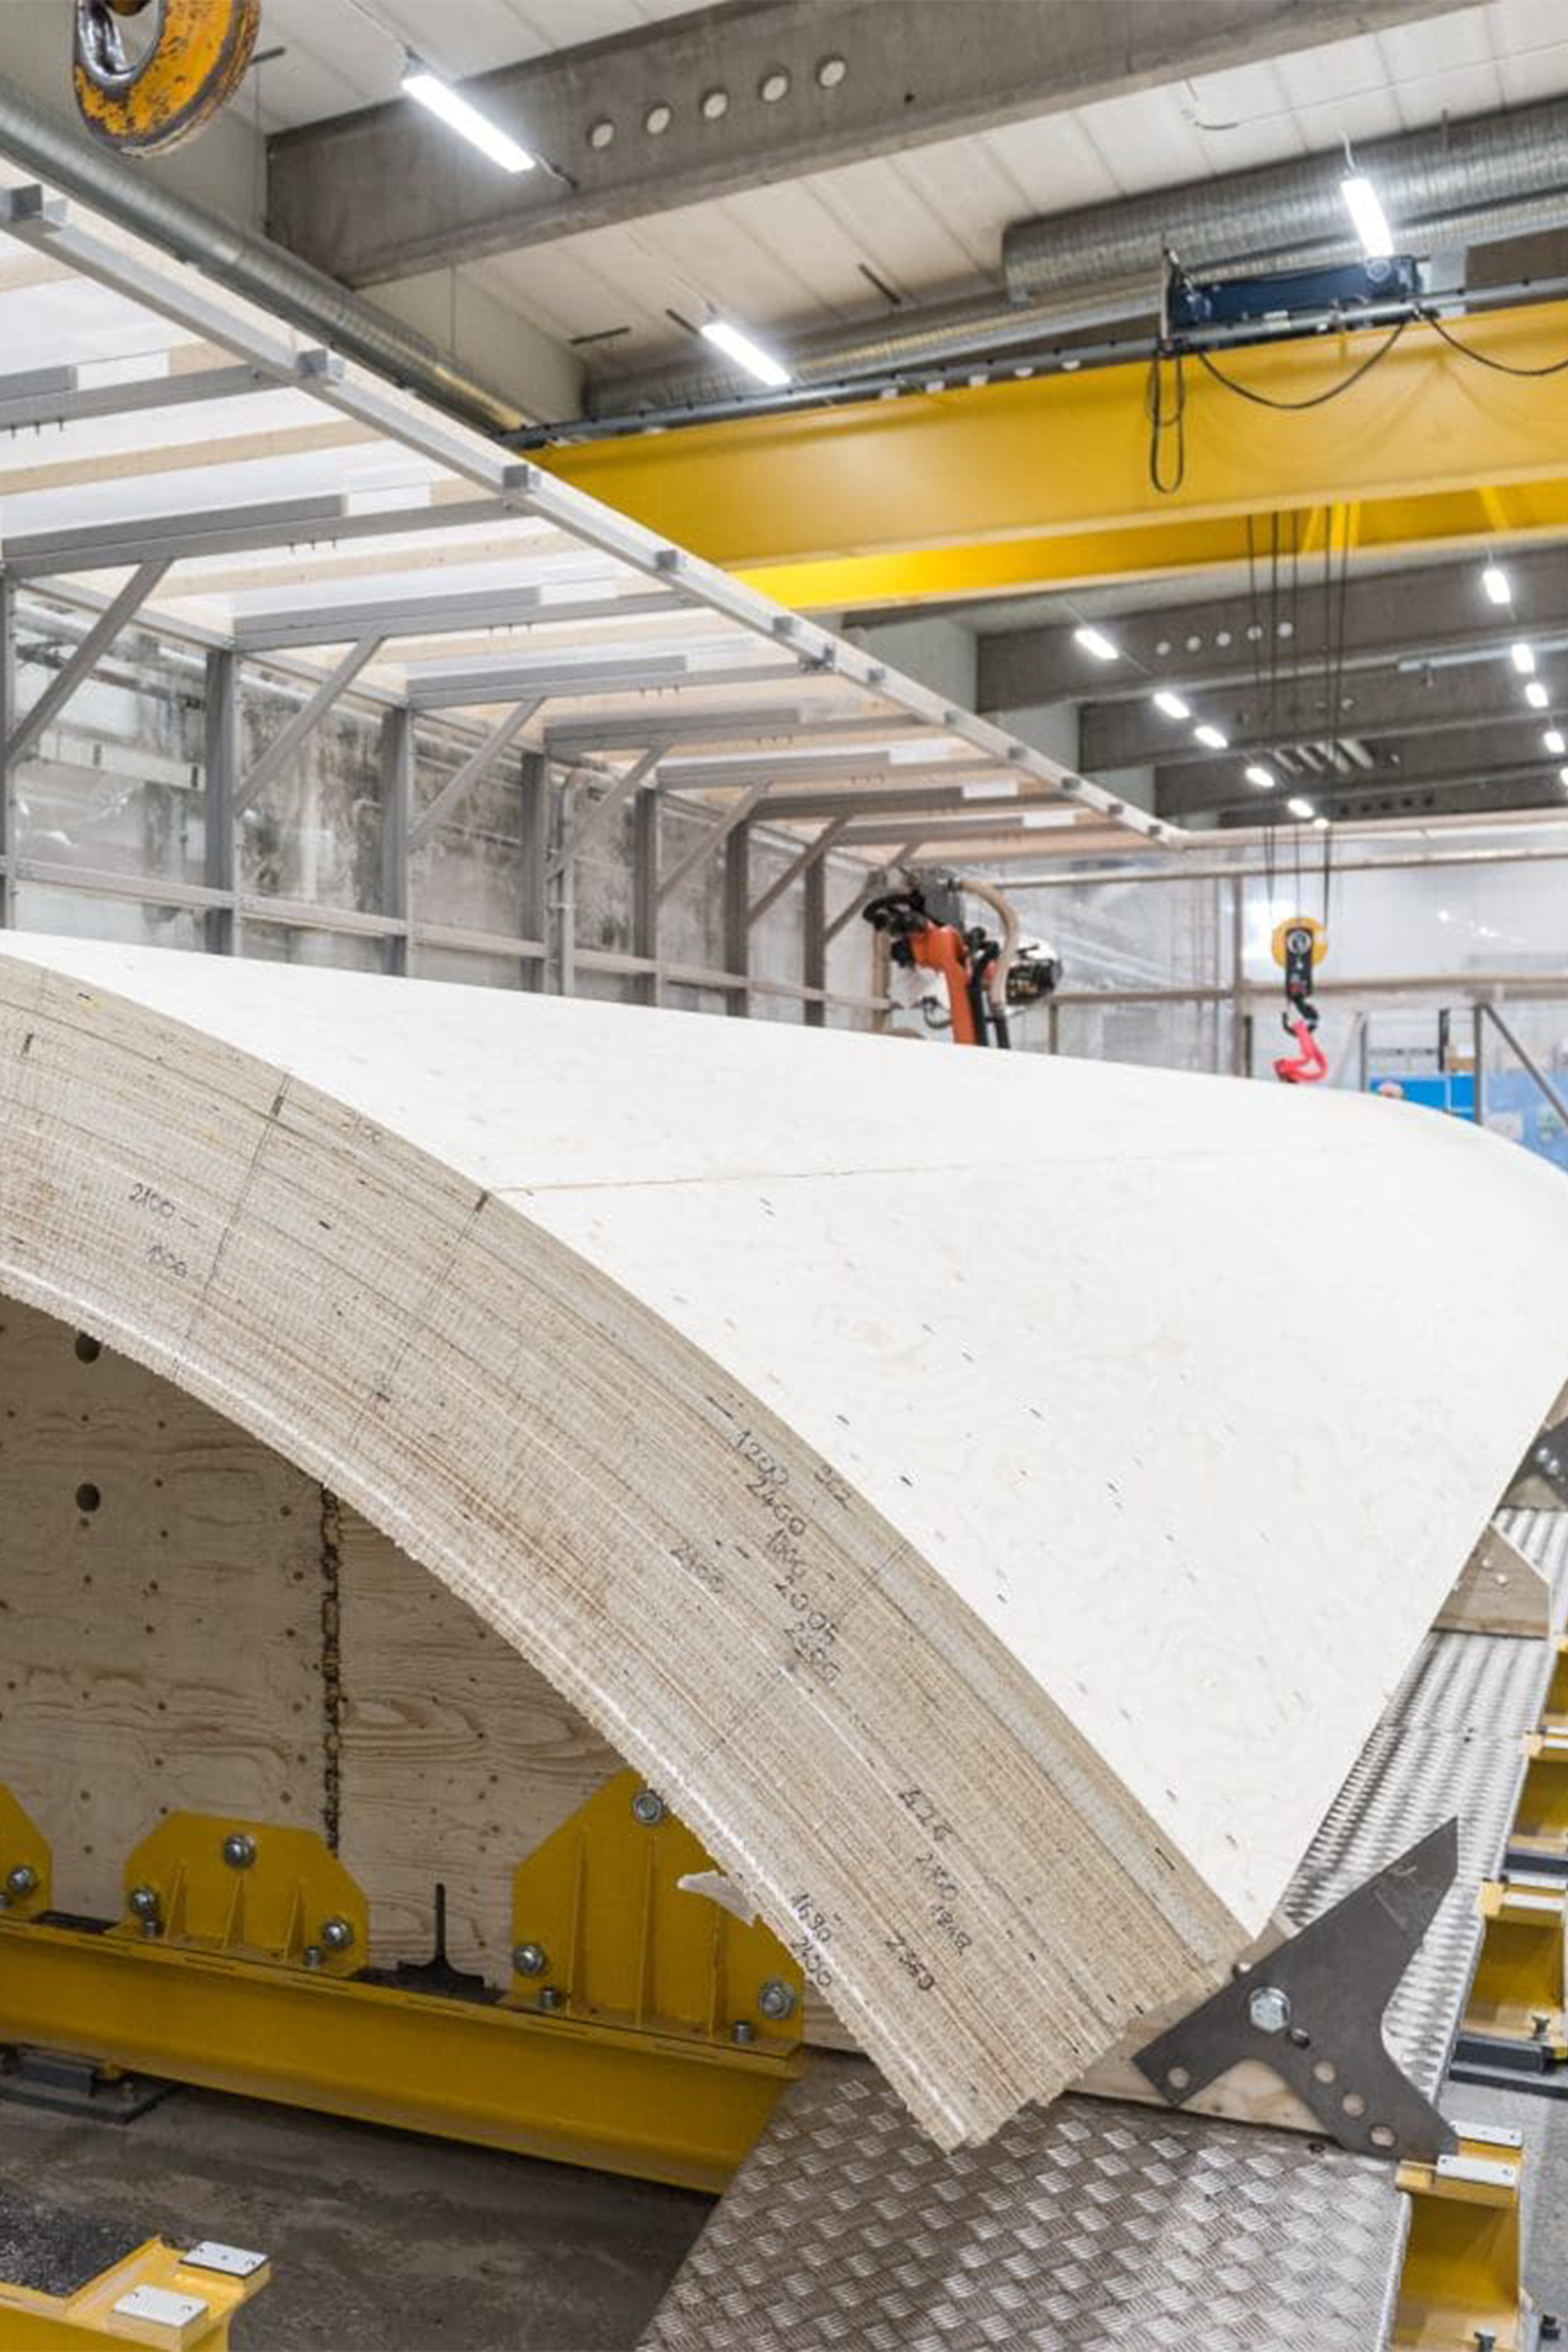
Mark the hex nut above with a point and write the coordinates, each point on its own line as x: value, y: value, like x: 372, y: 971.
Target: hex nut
x: 552, y: 1997
x: 743, y: 2031
x: 239, y: 1850
x: 531, y: 1960
x: 337, y: 1935
x: 21, y: 1882
x: 648, y: 1808
x: 775, y: 1999
x: 1269, y: 2009
x: 143, y: 1902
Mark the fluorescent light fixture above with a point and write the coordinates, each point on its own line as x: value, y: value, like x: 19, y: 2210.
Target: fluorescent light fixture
x: 1211, y: 737
x: 1556, y: 741
x: 1262, y: 778
x: 745, y: 351
x: 1563, y: 775
x: 1172, y: 704
x: 1535, y: 694
x: 1319, y: 825
x: 452, y: 108
x: 1495, y: 580
x: 1095, y: 641
x: 1523, y: 659
x: 1367, y: 217
x: 1299, y: 807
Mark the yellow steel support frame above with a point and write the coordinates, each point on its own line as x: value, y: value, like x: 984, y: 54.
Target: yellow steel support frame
x: 47, y: 2323
x: 232, y: 1967
x: 1519, y: 1993
x: 1541, y: 1825
x: 1461, y: 2283
x: 1002, y: 488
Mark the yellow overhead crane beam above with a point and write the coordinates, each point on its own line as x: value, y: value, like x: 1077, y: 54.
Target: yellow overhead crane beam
x: 1046, y: 483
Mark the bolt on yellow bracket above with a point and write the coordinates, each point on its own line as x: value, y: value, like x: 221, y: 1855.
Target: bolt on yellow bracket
x: 158, y: 2296
x: 222, y: 1973
x: 621, y: 1916
x: 211, y: 1883
x: 24, y: 1863
x: 1521, y: 1989
x: 1460, y: 2284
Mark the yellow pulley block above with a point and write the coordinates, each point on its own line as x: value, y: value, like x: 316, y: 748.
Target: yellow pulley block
x: 1299, y: 937
x: 144, y: 95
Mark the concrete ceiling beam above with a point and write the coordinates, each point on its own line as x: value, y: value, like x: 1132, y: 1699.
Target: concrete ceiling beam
x: 724, y: 97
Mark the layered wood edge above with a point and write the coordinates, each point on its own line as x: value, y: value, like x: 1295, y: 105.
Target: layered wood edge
x: 986, y: 1906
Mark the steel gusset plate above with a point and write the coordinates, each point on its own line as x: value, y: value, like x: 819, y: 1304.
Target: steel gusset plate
x: 1312, y: 2012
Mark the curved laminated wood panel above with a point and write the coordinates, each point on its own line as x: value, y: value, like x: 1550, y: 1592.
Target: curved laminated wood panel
x: 991, y: 1498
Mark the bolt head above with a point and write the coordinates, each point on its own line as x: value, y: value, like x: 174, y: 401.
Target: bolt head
x: 1269, y: 2009
x: 21, y: 1882
x: 552, y: 1997
x: 648, y: 1808
x: 743, y: 2031
x: 239, y: 1850
x: 313, y: 1956
x: 337, y: 1935
x: 145, y: 1902
x: 531, y: 1960
x: 775, y: 1999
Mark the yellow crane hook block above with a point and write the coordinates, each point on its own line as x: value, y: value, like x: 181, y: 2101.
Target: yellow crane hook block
x: 143, y: 96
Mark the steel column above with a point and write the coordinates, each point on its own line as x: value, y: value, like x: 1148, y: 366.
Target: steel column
x: 535, y: 843
x: 8, y: 774
x: 397, y: 809
x: 647, y: 987
x: 814, y: 941
x: 220, y: 777
x: 596, y: 814
x: 737, y: 930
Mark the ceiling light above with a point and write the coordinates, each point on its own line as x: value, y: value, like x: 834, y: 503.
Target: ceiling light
x: 1212, y: 737
x: 1172, y: 704
x: 1523, y: 659
x: 1495, y: 580
x: 1299, y: 807
x: 1535, y: 694
x: 1263, y: 778
x: 1563, y: 775
x: 453, y: 109
x: 1095, y: 641
x: 1321, y: 824
x: 1556, y: 741
x: 737, y: 345
x: 1367, y: 217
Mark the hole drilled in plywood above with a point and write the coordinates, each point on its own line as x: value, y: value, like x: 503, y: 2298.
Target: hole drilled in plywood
x: 88, y: 1497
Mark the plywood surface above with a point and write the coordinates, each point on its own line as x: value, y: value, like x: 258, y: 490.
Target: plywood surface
x: 924, y: 1466
x: 160, y: 1645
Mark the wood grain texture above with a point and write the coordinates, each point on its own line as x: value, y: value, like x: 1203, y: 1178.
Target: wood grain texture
x: 458, y: 1759
x: 921, y: 1466
x: 160, y: 1636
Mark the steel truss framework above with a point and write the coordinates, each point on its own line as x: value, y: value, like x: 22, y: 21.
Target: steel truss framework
x: 189, y: 466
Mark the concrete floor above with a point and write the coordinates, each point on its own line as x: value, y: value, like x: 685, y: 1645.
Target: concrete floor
x: 389, y: 2244
x: 384, y: 2242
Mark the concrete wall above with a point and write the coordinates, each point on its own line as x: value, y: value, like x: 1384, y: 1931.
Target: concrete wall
x: 117, y: 788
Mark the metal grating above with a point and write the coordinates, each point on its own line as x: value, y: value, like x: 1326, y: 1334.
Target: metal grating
x: 1085, y: 2226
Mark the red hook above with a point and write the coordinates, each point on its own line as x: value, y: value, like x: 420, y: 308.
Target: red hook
x: 1309, y: 1064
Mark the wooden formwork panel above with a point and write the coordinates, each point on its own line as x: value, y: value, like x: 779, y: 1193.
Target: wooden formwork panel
x: 991, y: 1499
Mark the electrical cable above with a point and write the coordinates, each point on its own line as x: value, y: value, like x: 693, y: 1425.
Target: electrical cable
x: 1484, y: 359
x: 1314, y: 400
